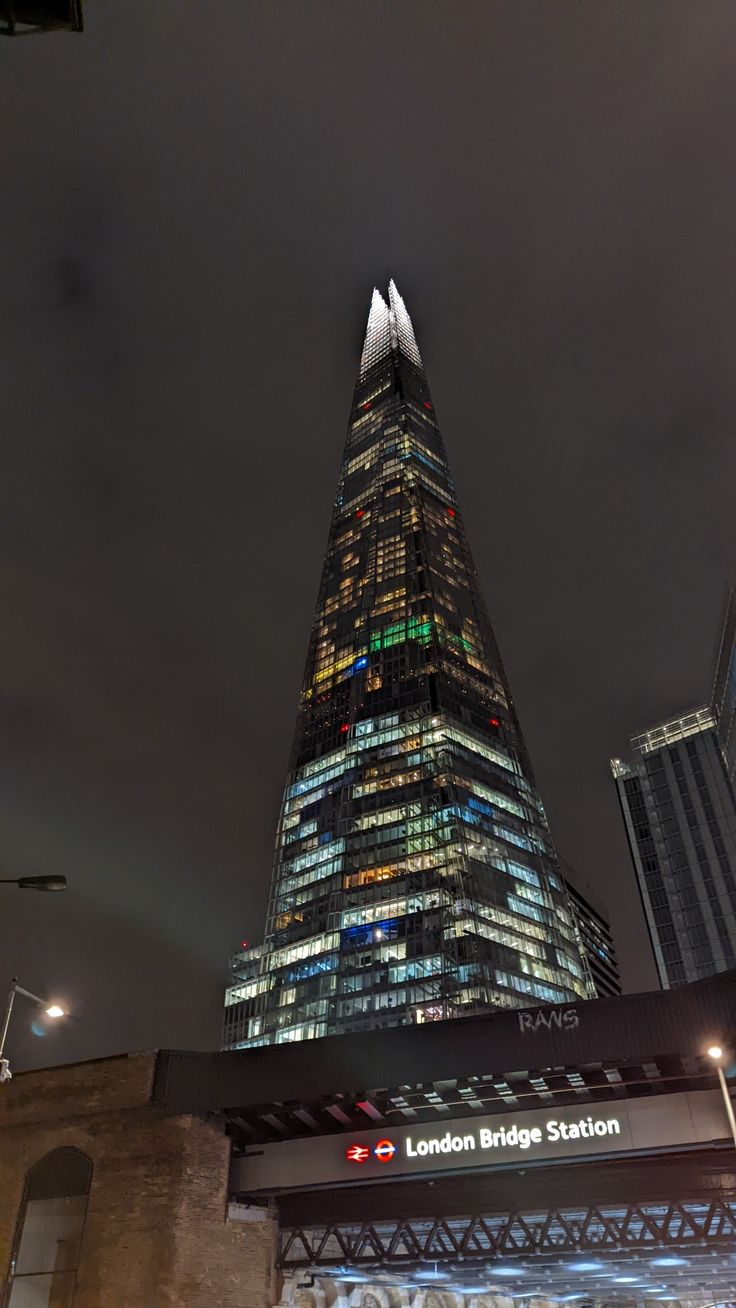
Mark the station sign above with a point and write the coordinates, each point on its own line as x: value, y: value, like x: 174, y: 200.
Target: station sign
x: 648, y: 1124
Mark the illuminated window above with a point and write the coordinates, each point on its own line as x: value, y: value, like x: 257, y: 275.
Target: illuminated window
x: 412, y: 826
x: 370, y: 875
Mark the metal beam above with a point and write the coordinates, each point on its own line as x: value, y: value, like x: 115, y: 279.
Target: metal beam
x: 694, y: 1225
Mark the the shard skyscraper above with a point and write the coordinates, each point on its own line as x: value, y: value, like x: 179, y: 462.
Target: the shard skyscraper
x: 414, y: 876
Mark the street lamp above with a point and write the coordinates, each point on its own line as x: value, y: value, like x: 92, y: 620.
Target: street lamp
x: 21, y: 16
x: 35, y: 883
x: 716, y: 1054
x: 51, y: 1010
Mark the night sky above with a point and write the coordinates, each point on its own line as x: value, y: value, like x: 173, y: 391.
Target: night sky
x: 197, y: 200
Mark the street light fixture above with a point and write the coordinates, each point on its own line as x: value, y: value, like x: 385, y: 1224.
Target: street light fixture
x: 24, y: 16
x: 51, y: 1010
x: 715, y: 1052
x: 35, y: 883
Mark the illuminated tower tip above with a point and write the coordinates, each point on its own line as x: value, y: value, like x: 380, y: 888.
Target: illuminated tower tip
x: 389, y: 328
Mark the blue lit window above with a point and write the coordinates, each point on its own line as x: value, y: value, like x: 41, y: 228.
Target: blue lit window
x: 327, y: 963
x: 370, y: 932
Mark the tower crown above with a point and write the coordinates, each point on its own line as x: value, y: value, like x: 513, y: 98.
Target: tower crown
x: 389, y: 328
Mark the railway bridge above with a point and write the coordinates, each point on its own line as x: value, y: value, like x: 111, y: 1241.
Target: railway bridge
x: 554, y: 1153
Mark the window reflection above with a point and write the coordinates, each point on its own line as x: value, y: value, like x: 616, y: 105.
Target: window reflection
x: 46, y: 1258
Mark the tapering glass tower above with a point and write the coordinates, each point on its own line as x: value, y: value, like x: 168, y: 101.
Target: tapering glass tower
x: 415, y: 877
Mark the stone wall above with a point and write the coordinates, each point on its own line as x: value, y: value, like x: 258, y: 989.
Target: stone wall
x: 304, y: 1291
x: 157, y: 1231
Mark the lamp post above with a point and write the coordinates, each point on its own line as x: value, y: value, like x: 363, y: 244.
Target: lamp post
x: 35, y: 883
x: 716, y: 1053
x: 51, y: 1010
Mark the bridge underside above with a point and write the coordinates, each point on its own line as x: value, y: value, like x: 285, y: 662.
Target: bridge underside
x: 646, y: 1213
x: 661, y: 1227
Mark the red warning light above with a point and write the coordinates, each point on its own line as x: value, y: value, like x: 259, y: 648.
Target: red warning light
x: 493, y: 722
x: 384, y: 1151
x: 345, y: 726
x: 360, y: 513
x: 427, y: 404
x: 367, y: 404
x: 451, y: 513
x: 357, y: 1153
x: 244, y: 944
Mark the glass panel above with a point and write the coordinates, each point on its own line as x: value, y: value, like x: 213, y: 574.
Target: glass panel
x: 54, y: 1291
x: 51, y: 1234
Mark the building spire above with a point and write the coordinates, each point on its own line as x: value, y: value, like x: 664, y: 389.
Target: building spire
x: 402, y: 325
x: 389, y: 328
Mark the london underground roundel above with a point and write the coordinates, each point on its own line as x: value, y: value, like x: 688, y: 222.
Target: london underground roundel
x: 384, y: 1151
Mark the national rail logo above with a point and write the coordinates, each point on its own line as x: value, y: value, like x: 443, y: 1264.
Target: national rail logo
x: 383, y: 1151
x: 357, y: 1153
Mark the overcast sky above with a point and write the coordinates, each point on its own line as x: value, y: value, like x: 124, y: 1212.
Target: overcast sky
x: 197, y: 200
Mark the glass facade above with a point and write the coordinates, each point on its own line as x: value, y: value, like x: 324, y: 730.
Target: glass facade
x: 595, y: 938
x: 679, y: 809
x: 415, y: 877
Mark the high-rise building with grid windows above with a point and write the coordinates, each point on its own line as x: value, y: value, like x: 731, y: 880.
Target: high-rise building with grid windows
x: 595, y: 938
x: 678, y: 801
x: 415, y: 877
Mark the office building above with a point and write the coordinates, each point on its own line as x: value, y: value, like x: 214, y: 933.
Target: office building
x: 595, y: 938
x: 415, y: 878
x: 678, y: 806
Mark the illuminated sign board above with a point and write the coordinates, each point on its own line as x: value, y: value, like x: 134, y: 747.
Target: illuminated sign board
x: 513, y: 1136
x: 565, y: 1133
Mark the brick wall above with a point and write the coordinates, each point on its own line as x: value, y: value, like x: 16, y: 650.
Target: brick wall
x: 156, y: 1232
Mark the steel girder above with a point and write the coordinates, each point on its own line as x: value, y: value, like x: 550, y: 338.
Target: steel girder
x: 634, y: 1227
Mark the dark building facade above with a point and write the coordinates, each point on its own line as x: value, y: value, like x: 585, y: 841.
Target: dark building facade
x: 595, y: 938
x: 679, y: 810
x: 724, y: 688
x: 415, y: 877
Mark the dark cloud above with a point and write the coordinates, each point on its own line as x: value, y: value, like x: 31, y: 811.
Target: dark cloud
x: 72, y: 283
x: 196, y: 208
